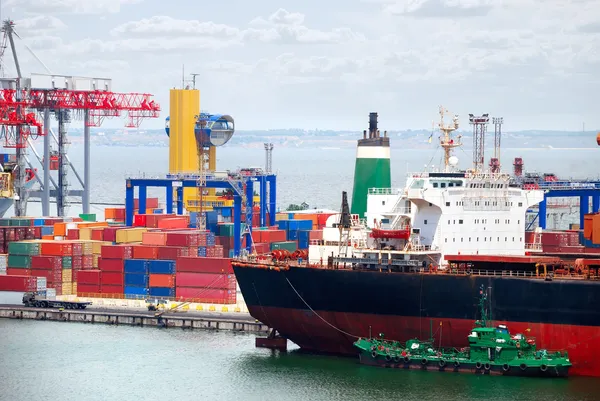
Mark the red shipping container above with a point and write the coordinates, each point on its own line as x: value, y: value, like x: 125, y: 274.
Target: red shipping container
x: 153, y: 219
x: 145, y: 252
x: 322, y: 219
x: 77, y: 262
x: 88, y: 277
x: 13, y: 271
x: 204, y: 265
x: 73, y: 234
x: 111, y: 278
x: 204, y: 295
x: 262, y: 248
x: 111, y: 265
x: 187, y: 239
x: 37, y: 232
x: 111, y: 289
x: 151, y: 203
x: 52, y: 276
x: 57, y: 248
x: 110, y: 234
x: 120, y: 213
x: 116, y: 251
x: 174, y: 222
x: 18, y: 283
x: 97, y: 233
x: 315, y: 235
x: 209, y: 280
x: 46, y: 262
x: 86, y: 289
x: 162, y: 280
x: 139, y: 220
x: 171, y: 252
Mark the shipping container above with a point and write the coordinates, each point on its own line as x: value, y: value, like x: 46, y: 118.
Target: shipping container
x: 171, y: 252
x: 161, y: 280
x: 129, y: 235
x: 204, y: 295
x: 46, y: 262
x: 24, y: 248
x: 290, y: 246
x: 204, y: 265
x: 161, y: 267
x: 117, y: 251
x: 154, y: 238
x: 18, y: 283
x: 116, y: 291
x: 89, y: 277
x: 139, y: 266
x: 162, y: 292
x: 208, y: 280
x: 57, y: 248
x: 19, y: 261
x: 183, y: 239
x: 84, y: 289
x: 112, y: 278
x: 135, y: 292
x: 174, y: 222
x: 136, y: 280
x: 145, y: 252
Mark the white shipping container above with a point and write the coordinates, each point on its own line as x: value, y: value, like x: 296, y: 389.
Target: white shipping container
x: 51, y: 293
x: 2, y: 271
x: 41, y: 284
x: 11, y: 297
x: 3, y: 262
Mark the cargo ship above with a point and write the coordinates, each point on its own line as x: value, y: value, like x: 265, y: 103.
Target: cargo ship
x: 403, y: 261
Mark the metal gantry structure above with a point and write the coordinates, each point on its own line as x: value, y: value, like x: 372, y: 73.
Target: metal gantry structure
x: 495, y: 161
x: 479, y: 124
x: 24, y: 100
x: 268, y: 158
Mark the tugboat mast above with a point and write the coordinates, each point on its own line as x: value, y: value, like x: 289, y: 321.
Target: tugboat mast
x: 446, y: 141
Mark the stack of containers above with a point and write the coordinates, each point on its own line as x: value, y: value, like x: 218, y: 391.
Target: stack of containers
x: 88, y: 283
x: 136, y: 278
x: 49, y: 267
x: 60, y: 255
x: 112, y: 266
x: 161, y: 281
x: 205, y: 280
x: 3, y: 264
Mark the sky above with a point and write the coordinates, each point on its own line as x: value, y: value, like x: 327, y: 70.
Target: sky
x: 327, y: 64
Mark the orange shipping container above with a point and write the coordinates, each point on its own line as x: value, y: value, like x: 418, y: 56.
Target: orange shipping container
x: 145, y: 252
x: 154, y: 238
x: 596, y: 229
x: 97, y: 233
x: 60, y: 229
x: 174, y: 222
x: 162, y: 280
x: 57, y: 249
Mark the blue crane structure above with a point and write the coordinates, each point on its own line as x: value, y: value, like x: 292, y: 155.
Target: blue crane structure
x: 584, y: 190
x: 241, y: 185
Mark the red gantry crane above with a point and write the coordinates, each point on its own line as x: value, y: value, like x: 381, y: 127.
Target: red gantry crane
x: 25, y: 101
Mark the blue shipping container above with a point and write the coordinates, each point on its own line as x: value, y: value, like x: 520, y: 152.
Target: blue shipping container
x: 231, y: 254
x: 161, y: 292
x: 212, y: 217
x: 47, y: 230
x: 136, y: 291
x: 136, y: 280
x: 161, y: 266
x: 136, y: 266
x: 283, y: 224
x: 157, y: 211
x: 292, y: 235
x: 202, y: 251
x: 38, y: 222
x: 305, y: 224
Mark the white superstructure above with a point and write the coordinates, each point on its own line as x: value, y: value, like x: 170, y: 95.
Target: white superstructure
x: 447, y: 213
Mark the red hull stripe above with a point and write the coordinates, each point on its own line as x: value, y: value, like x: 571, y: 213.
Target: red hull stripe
x: 311, y: 332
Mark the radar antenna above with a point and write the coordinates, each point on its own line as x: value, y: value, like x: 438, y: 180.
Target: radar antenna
x: 446, y: 140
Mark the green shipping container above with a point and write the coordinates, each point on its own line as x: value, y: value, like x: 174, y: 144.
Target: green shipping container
x: 17, y: 222
x: 5, y: 222
x: 88, y: 216
x: 19, y: 261
x: 23, y: 248
x: 67, y: 262
x: 290, y: 246
x: 226, y: 230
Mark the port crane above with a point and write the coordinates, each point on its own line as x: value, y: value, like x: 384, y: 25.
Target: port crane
x: 26, y: 101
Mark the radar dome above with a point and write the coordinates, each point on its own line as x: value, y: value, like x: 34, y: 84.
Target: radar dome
x: 453, y: 161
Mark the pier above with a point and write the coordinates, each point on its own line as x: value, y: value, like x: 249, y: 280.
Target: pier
x: 194, y: 320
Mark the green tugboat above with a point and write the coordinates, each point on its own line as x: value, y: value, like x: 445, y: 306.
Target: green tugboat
x: 491, y: 350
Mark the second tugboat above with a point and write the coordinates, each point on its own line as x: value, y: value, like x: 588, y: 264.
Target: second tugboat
x: 491, y: 351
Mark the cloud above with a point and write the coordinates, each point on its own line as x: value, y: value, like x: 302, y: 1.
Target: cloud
x: 280, y: 27
x: 39, y: 25
x: 441, y: 8
x: 67, y: 6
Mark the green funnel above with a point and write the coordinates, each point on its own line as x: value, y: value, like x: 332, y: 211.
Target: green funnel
x: 372, y: 169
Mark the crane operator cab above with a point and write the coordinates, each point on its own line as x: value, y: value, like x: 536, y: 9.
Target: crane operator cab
x: 214, y: 129
x: 156, y: 304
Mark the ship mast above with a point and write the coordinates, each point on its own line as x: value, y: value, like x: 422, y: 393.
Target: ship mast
x: 446, y: 140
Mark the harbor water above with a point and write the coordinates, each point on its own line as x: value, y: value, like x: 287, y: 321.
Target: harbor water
x: 73, y: 362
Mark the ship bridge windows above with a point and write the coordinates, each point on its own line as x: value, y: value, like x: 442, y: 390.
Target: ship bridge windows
x: 417, y: 184
x: 435, y: 184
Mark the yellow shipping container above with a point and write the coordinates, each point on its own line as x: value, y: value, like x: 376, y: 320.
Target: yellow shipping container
x: 74, y: 286
x: 85, y: 234
x: 95, y: 261
x: 87, y: 248
x: 128, y: 235
x: 97, y: 246
x: 281, y: 216
x: 67, y: 288
x: 67, y: 275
